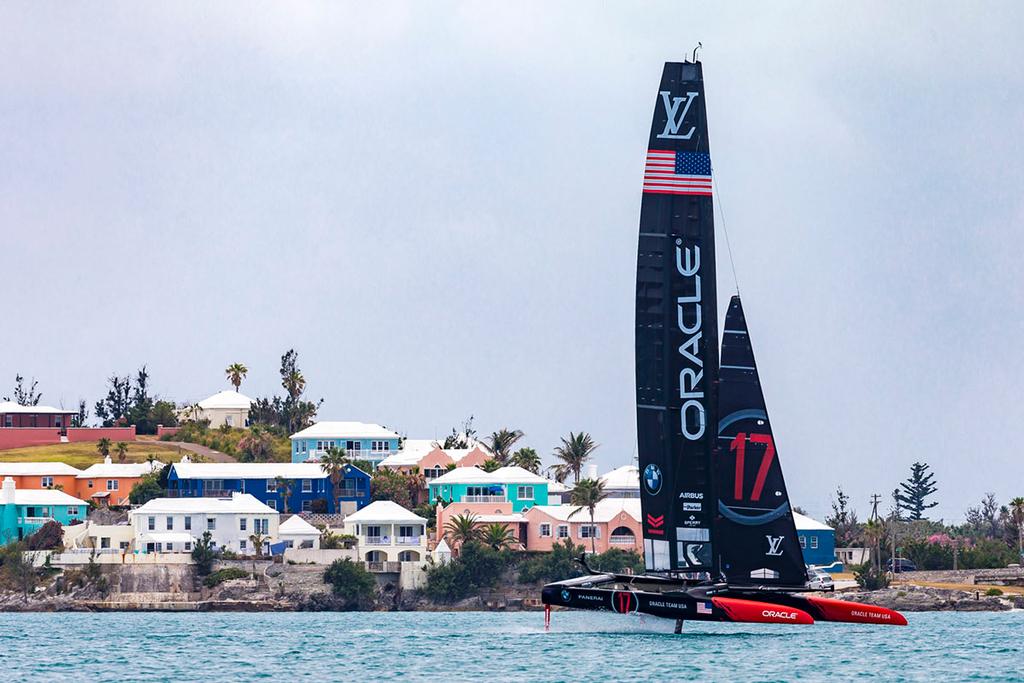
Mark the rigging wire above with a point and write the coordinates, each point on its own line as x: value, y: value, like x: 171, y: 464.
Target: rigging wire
x: 725, y: 231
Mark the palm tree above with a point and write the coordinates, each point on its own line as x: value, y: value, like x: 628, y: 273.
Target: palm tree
x: 1017, y: 505
x: 528, y: 459
x: 257, y: 539
x: 285, y: 488
x: 574, y: 453
x: 586, y: 495
x: 236, y: 372
x: 122, y: 451
x: 490, y: 465
x: 103, y: 446
x: 461, y: 529
x: 294, y: 383
x: 498, y: 536
x: 501, y: 443
x: 333, y: 464
x: 874, y: 532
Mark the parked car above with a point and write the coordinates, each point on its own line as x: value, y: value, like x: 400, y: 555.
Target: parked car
x: 820, y: 580
x: 902, y: 564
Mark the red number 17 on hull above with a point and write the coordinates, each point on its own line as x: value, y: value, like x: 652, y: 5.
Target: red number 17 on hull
x: 739, y: 446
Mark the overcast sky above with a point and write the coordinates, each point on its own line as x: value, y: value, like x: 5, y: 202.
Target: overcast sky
x: 437, y: 206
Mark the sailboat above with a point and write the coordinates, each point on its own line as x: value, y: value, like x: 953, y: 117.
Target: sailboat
x: 720, y: 543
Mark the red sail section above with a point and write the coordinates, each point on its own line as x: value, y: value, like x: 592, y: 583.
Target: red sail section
x: 855, y: 612
x: 761, y: 612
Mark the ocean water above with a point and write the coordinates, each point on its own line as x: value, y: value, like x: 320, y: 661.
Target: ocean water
x: 470, y: 646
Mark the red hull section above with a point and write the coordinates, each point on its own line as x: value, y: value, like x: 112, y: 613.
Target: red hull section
x: 855, y: 612
x: 761, y: 612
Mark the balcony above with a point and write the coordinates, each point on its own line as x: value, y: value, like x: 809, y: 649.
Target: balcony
x: 377, y: 540
x: 191, y: 493
x: 349, y: 493
x: 622, y: 540
x: 484, y: 499
x: 384, y: 567
x: 39, y: 521
x: 407, y: 540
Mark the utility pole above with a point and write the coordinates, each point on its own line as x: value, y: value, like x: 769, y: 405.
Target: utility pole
x: 875, y: 500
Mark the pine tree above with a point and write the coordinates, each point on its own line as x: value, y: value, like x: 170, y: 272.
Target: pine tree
x: 912, y: 493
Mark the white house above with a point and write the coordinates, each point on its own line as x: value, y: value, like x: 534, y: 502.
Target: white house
x: 174, y: 524
x: 387, y: 532
x: 360, y: 440
x: 223, y: 408
x: 622, y: 482
x: 296, y: 532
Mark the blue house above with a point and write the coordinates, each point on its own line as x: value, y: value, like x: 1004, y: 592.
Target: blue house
x: 306, y: 483
x: 24, y: 511
x: 817, y: 540
x: 360, y: 441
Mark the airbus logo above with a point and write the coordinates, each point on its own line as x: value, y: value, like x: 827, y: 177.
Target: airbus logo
x: 691, y: 495
x: 676, y: 117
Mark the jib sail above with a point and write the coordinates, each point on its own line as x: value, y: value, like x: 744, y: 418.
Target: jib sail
x: 757, y: 541
x: 677, y: 330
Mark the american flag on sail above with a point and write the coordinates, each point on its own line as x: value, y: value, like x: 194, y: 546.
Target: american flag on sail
x: 669, y: 172
x: 703, y: 608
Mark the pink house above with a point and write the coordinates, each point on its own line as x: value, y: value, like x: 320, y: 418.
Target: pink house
x: 428, y: 457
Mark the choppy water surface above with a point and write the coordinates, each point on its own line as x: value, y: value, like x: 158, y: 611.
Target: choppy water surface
x: 581, y: 646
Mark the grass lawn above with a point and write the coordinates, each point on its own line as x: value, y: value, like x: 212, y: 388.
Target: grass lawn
x: 84, y: 453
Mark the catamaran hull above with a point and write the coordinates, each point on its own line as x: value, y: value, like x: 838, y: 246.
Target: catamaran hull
x: 700, y: 604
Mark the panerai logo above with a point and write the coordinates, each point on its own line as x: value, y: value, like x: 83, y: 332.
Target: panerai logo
x: 688, y: 264
x: 676, y: 117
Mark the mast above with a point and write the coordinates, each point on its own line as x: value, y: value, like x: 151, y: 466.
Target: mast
x: 677, y: 330
x: 756, y: 537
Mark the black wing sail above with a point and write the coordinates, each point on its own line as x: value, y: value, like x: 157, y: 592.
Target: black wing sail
x: 757, y: 541
x: 677, y: 330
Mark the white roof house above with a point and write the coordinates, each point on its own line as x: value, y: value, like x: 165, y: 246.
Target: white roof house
x: 502, y: 475
x: 37, y: 469
x: 805, y: 523
x: 345, y: 430
x: 605, y: 511
x: 173, y: 524
x: 10, y: 407
x: 227, y: 399
x: 384, y: 512
x: 45, y: 497
x: 298, y: 533
x: 108, y: 468
x: 622, y: 482
x: 236, y: 504
x: 223, y: 408
x: 248, y: 470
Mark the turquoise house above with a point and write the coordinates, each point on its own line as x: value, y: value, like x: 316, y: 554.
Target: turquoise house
x: 359, y: 440
x: 23, y: 512
x: 515, y: 485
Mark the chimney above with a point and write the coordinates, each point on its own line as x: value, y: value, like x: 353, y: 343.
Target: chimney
x: 591, y: 471
x: 106, y: 460
x: 185, y: 460
x: 7, y: 495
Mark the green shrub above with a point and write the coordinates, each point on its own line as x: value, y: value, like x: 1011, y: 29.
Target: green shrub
x: 558, y: 565
x: 477, y: 566
x: 222, y: 575
x: 204, y: 553
x: 870, y: 578
x: 993, y: 592
x: 351, y: 583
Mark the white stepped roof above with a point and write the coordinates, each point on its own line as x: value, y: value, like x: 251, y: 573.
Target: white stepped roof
x: 502, y: 475
x: 29, y: 469
x: 243, y: 503
x: 384, y: 511
x: 227, y: 400
x: 114, y: 470
x: 625, y: 477
x: 10, y: 407
x: 44, y: 497
x: 412, y: 451
x: 805, y: 523
x: 250, y: 470
x: 606, y: 510
x: 345, y: 430
x: 297, y: 526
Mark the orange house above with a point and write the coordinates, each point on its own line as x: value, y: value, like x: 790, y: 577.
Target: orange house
x: 41, y: 475
x: 111, y: 482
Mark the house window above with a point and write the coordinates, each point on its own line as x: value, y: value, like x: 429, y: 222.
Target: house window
x: 303, y: 446
x: 406, y: 532
x: 170, y: 523
x: 72, y: 510
x: 803, y: 541
x: 241, y: 544
x: 271, y: 486
x: 151, y: 523
x: 272, y: 504
x: 563, y: 531
x: 46, y: 482
x: 262, y: 526
x: 545, y: 530
x: 307, y: 486
x: 8, y: 420
x: 188, y: 546
x: 112, y: 484
x: 433, y: 472
x: 229, y: 420
x: 307, y: 506
x: 814, y: 542
x: 123, y: 545
x: 188, y: 523
x: 213, y: 485
x: 90, y: 483
x: 241, y: 523
x: 104, y: 542
x: 211, y: 523
x: 380, y: 446
x: 353, y: 445
x: 56, y: 421
x: 588, y: 531
x: 525, y: 493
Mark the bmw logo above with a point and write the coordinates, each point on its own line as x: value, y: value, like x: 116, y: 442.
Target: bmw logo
x: 565, y: 595
x: 652, y: 479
